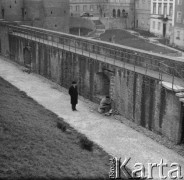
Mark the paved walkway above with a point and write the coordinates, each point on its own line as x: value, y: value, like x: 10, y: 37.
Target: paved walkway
x: 114, y: 137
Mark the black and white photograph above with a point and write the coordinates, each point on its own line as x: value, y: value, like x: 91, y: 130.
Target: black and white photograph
x: 91, y: 89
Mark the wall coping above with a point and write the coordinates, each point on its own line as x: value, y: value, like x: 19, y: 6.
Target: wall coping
x: 108, y: 43
x: 179, y: 59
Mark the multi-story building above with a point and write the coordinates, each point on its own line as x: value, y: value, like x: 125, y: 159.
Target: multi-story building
x: 94, y: 7
x: 177, y: 37
x: 142, y: 14
x: 41, y: 13
x: 162, y: 17
x: 123, y: 11
x: 119, y: 7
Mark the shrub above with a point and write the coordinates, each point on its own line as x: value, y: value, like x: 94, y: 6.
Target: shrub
x: 85, y: 143
x: 61, y: 126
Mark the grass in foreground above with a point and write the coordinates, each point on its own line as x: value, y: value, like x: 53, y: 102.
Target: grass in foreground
x: 33, y: 147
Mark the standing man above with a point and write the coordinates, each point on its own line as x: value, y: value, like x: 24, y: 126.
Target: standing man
x: 74, y: 95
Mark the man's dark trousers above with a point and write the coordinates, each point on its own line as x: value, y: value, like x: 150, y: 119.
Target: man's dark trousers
x: 74, y: 96
x: 74, y: 107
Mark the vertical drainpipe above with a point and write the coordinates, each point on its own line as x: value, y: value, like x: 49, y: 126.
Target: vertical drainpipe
x: 173, y: 22
x: 134, y: 14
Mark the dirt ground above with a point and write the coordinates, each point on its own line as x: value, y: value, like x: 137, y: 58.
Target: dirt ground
x: 32, y: 147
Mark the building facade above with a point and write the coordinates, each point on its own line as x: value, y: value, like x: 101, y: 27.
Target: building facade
x: 162, y: 17
x: 47, y: 14
x: 11, y: 10
x: 177, y: 37
x: 122, y: 12
x: 94, y: 7
x: 142, y: 14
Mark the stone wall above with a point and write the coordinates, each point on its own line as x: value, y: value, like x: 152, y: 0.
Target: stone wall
x: 139, y: 98
x: 56, y: 15
x: 4, y: 40
x: 12, y: 9
x: 47, y: 14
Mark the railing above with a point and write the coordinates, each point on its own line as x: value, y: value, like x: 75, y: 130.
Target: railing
x: 93, y: 49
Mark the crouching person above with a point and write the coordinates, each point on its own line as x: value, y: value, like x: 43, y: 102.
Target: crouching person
x: 105, y: 105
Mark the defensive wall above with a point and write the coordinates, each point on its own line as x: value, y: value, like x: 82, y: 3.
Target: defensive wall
x: 41, y: 13
x: 133, y: 78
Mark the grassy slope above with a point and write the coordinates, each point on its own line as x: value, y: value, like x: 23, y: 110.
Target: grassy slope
x: 31, y: 145
x: 125, y: 38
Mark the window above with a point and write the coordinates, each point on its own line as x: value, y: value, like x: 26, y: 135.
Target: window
x: 77, y: 8
x: 170, y: 9
x: 153, y: 25
x: 178, y: 17
x: 178, y: 35
x: 165, y: 9
x: 84, y: 7
x: 159, y: 25
x: 23, y: 13
x: 170, y: 27
x: 180, y: 2
x: 159, y: 8
x: 2, y: 12
x: 91, y: 7
x: 154, y: 8
x: 137, y: 4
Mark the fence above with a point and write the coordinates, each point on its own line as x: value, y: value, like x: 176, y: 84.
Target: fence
x: 133, y: 60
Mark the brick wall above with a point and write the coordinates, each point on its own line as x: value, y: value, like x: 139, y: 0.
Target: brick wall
x: 139, y: 98
x: 48, y: 14
x: 12, y: 9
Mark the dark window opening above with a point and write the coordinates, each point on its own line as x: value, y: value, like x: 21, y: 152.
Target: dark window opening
x: 51, y: 12
x: 114, y: 13
x: 64, y: 12
x: 2, y: 12
x: 15, y: 2
x: 10, y: 6
x: 118, y: 13
x: 55, y: 25
x: 123, y: 12
x: 22, y: 12
x: 0, y: 45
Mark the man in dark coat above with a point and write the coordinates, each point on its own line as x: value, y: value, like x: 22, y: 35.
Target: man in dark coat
x: 74, y: 95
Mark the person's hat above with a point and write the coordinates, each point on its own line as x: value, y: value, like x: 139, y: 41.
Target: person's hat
x: 74, y: 82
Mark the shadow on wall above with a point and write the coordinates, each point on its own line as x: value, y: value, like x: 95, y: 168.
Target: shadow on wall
x: 27, y: 56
